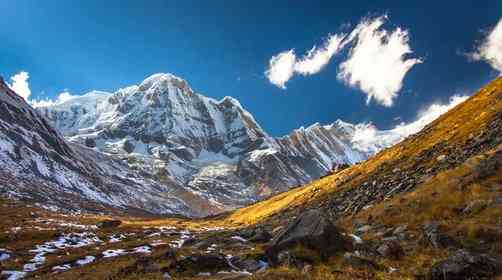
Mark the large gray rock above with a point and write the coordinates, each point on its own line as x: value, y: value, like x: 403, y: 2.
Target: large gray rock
x: 312, y: 230
x: 109, y: 224
x: 466, y: 265
x: 203, y: 263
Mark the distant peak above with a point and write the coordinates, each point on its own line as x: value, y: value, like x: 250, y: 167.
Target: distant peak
x: 230, y: 100
x: 314, y: 125
x: 160, y: 79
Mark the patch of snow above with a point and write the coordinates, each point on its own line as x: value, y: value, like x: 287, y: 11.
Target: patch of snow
x: 61, y: 267
x: 4, y: 254
x: 356, y: 239
x: 143, y: 250
x: 113, y: 253
x: 116, y: 238
x: 257, y: 154
x: 42, y: 167
x: 86, y: 260
x: 156, y: 243
x: 238, y: 238
x: 13, y: 274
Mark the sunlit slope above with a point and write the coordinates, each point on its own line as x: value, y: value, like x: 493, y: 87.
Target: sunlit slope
x: 450, y: 134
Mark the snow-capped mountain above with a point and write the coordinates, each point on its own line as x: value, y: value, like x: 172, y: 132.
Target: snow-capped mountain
x: 214, y: 149
x: 39, y: 165
x: 160, y: 147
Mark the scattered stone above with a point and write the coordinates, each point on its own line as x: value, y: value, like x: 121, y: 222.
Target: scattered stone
x: 109, y: 224
x: 354, y: 260
x: 206, y: 263
x: 307, y: 268
x: 466, y: 265
x: 388, y: 232
x: 441, y: 158
x: 363, y: 229
x: 249, y: 265
x: 189, y: 242
x: 437, y: 238
x: 276, y: 229
x: 261, y: 235
x: 357, y: 223
x: 286, y: 258
x: 391, y: 250
x: 474, y: 207
x: 400, y: 229
x: 151, y: 267
x: 312, y: 230
x: 356, y: 240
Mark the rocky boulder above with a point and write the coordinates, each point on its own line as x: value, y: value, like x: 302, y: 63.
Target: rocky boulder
x: 109, y: 224
x: 466, y: 265
x: 312, y: 230
x: 391, y: 250
x: 203, y: 263
x: 436, y: 236
x: 247, y: 264
x: 260, y: 235
x: 355, y: 260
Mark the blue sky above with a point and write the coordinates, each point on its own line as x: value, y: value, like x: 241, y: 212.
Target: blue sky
x: 224, y: 47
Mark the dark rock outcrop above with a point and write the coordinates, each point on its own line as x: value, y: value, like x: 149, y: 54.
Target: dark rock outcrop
x: 203, y: 263
x: 109, y: 224
x: 466, y: 265
x: 312, y: 230
x: 436, y: 237
x: 360, y: 262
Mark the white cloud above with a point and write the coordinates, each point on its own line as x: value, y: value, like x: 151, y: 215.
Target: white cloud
x: 284, y: 65
x: 317, y: 58
x: 281, y: 68
x: 376, y: 63
x: 61, y: 98
x: 369, y: 139
x: 490, y: 49
x: 20, y: 84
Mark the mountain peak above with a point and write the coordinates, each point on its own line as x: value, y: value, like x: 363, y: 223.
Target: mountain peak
x: 162, y: 80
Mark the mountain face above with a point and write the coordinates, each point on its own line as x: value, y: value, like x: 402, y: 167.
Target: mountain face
x: 38, y: 164
x: 213, y: 149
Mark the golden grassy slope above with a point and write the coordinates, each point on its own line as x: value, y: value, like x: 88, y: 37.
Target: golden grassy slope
x: 454, y: 127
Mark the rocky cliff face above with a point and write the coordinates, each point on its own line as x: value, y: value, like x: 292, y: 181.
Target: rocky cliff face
x: 214, y: 149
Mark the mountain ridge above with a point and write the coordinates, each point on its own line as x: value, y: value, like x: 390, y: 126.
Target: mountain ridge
x: 204, y: 156
x: 163, y: 121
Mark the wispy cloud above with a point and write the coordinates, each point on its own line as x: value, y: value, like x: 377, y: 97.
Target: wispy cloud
x: 317, y: 58
x: 61, y: 98
x: 281, y: 68
x: 368, y: 138
x: 490, y: 49
x: 376, y: 62
x: 284, y: 65
x: 20, y: 84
